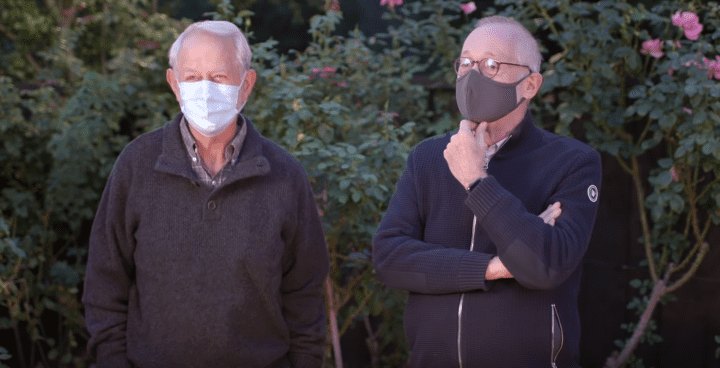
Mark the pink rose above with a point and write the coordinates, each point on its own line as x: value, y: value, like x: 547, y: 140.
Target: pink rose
x: 687, y: 110
x: 391, y: 3
x: 334, y: 5
x: 689, y: 22
x: 713, y: 67
x: 469, y: 7
x: 652, y: 47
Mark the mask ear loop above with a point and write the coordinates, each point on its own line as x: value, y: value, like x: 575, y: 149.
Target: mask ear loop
x: 522, y: 99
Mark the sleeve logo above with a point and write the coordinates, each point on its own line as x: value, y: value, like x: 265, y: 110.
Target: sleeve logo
x: 592, y: 193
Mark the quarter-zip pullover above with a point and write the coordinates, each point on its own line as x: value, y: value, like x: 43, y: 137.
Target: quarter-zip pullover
x: 186, y: 275
x: 423, y: 246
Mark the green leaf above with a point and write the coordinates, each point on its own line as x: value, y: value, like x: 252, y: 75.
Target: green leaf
x: 64, y: 273
x: 677, y: 204
x: 4, y: 354
x: 664, y: 179
x: 665, y: 163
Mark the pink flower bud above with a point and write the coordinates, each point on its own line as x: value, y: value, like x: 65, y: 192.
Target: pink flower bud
x: 469, y: 7
x: 674, y: 174
x: 391, y: 3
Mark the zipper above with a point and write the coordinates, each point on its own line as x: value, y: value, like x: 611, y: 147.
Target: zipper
x: 559, y: 330
x: 462, y: 298
x: 486, y: 164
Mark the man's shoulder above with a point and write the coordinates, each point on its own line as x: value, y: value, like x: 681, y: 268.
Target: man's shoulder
x: 432, y: 145
x: 564, y: 144
x: 144, y: 147
x: 279, y: 157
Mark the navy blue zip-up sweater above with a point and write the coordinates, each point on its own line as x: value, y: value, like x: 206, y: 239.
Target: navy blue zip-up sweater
x: 423, y: 246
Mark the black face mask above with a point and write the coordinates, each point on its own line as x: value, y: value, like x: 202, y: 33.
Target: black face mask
x: 480, y: 98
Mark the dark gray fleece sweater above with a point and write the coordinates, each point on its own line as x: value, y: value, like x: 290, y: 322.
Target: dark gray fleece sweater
x: 182, y: 275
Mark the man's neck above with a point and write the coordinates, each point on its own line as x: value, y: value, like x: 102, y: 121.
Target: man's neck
x: 212, y: 149
x: 501, y: 129
x: 218, y: 142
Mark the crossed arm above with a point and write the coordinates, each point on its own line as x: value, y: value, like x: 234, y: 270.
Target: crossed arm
x: 496, y: 269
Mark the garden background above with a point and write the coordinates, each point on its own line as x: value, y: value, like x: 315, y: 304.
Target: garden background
x: 349, y: 87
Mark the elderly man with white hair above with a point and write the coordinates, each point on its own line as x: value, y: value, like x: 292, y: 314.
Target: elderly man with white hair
x: 207, y: 249
x: 492, y: 278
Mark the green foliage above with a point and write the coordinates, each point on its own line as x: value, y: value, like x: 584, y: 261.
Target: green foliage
x: 336, y: 107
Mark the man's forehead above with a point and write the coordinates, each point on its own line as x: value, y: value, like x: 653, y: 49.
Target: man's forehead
x: 201, y: 45
x: 492, y: 40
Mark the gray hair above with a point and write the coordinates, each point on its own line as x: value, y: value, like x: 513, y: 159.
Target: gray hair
x: 219, y: 28
x: 528, y: 50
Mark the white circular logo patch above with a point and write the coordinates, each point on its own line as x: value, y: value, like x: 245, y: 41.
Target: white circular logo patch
x: 593, y: 193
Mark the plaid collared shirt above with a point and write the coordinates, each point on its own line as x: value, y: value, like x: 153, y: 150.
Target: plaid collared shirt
x: 232, y: 152
x: 490, y: 152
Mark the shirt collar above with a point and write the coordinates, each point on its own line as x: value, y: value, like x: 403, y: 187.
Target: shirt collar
x: 232, y: 151
x: 490, y: 152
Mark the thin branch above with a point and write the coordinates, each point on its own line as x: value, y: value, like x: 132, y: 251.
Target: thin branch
x: 7, y: 33
x: 645, y: 131
x: 706, y: 227
x: 690, y: 272
x: 348, y: 321
x: 623, y: 164
x: 335, y: 336
x: 643, y: 219
x: 659, y: 290
x: 708, y: 187
x: 689, y: 256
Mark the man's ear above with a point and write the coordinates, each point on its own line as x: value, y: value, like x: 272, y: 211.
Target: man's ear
x: 531, y: 86
x: 247, y: 87
x: 172, y: 81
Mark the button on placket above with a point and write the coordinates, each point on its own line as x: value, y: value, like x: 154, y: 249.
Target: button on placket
x: 211, y: 205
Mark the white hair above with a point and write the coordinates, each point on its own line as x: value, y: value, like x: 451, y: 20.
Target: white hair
x: 527, y: 48
x: 219, y: 28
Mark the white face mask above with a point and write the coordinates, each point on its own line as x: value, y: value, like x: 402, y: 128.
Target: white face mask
x: 210, y: 107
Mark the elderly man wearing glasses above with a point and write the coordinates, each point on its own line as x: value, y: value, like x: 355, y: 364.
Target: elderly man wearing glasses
x: 493, y: 279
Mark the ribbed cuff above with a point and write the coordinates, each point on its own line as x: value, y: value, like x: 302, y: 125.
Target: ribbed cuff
x: 472, y: 271
x: 484, y: 197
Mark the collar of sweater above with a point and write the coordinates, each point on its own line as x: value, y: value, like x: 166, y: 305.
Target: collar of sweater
x: 174, y: 159
x: 523, y: 138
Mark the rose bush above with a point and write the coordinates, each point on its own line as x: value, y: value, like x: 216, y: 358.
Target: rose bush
x: 80, y: 79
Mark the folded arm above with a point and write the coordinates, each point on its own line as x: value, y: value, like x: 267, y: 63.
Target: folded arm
x: 538, y: 255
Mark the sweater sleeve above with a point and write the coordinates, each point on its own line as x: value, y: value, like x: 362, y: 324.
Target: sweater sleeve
x: 108, y: 278
x: 538, y: 255
x: 307, y: 266
x: 404, y: 261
